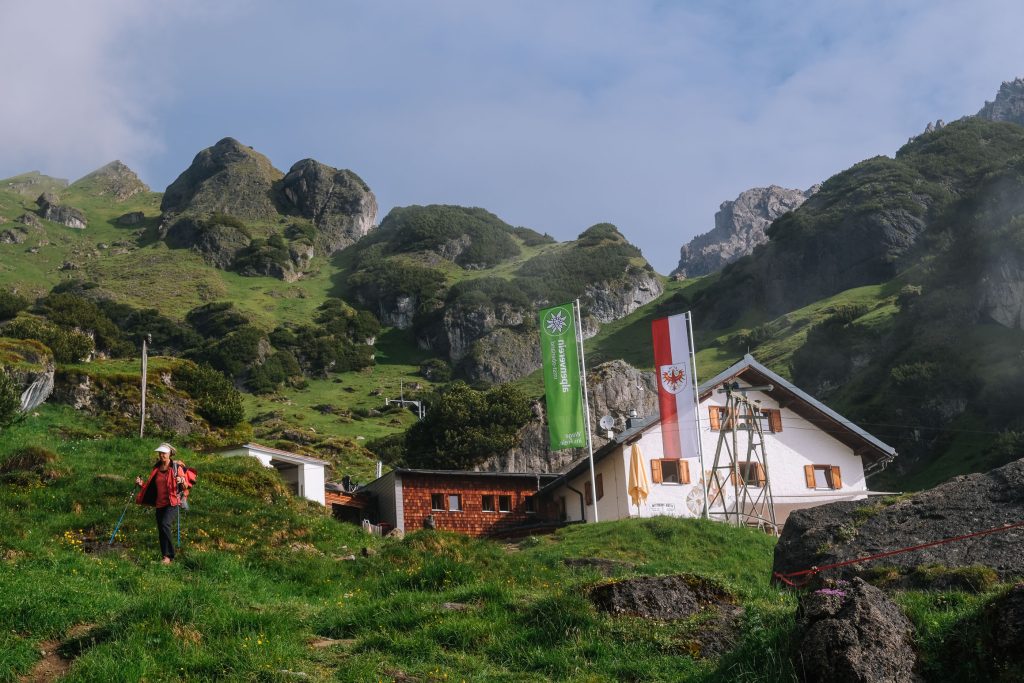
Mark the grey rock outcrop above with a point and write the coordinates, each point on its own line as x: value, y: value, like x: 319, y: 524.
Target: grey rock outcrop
x: 130, y: 219
x: 614, y: 389
x: 338, y: 202
x: 51, y: 210
x: 218, y: 244
x: 846, y: 530
x: 852, y: 633
x: 739, y: 227
x: 114, y: 180
x: 504, y: 354
x: 1001, y: 297
x: 227, y: 178
x: 15, y: 235
x: 608, y: 301
x: 1008, y: 105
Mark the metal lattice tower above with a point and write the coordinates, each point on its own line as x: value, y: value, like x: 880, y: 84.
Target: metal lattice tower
x: 738, y: 485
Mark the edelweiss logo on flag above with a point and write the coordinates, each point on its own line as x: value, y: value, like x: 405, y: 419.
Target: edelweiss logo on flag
x: 673, y: 377
x: 557, y: 321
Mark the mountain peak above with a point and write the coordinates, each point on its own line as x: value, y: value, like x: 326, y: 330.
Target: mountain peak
x: 113, y: 180
x: 1008, y: 105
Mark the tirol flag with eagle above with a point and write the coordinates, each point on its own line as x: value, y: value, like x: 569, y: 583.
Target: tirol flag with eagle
x: 676, y: 396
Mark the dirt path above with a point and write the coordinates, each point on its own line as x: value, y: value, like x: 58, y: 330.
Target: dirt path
x: 51, y: 667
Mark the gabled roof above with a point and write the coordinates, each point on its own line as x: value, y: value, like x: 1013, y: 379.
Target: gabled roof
x: 277, y: 454
x: 783, y: 391
x: 803, y: 404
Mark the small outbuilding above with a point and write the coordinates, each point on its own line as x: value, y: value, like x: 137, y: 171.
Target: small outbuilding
x: 305, y: 476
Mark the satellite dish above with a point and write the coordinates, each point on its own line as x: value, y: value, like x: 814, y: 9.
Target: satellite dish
x: 607, y: 422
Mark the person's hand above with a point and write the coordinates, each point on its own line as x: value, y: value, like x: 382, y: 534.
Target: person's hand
x: 181, y: 479
x: 138, y: 481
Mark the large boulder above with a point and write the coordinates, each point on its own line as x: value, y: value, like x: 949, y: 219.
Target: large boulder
x: 218, y: 244
x: 851, y: 632
x: 739, y: 227
x: 680, y: 596
x: 115, y: 180
x: 227, y: 178
x: 832, y: 533
x: 51, y: 210
x: 338, y: 202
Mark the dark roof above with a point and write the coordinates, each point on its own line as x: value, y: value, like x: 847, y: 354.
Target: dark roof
x: 783, y: 391
x: 470, y: 473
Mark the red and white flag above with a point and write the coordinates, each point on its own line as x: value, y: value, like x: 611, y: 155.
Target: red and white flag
x: 676, y: 396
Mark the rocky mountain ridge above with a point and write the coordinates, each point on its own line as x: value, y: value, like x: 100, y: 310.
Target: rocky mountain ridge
x: 1008, y: 105
x: 740, y: 226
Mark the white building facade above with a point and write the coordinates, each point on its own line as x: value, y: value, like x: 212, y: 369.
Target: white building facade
x: 812, y: 456
x: 305, y: 476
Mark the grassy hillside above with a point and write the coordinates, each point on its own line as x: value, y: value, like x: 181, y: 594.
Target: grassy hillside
x: 262, y: 590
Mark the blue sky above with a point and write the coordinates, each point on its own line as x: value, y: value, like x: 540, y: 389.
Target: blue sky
x: 554, y: 115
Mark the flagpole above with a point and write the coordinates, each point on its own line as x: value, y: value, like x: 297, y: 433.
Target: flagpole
x: 696, y: 408
x: 586, y: 404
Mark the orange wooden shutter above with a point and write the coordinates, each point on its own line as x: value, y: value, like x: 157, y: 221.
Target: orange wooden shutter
x: 809, y: 475
x: 715, y: 416
x: 588, y: 493
x: 600, y: 486
x: 655, y: 471
x: 684, y: 472
x: 837, y: 481
x: 732, y: 478
x: 774, y: 419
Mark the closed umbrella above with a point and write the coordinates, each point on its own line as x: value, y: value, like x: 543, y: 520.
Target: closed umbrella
x: 638, y: 486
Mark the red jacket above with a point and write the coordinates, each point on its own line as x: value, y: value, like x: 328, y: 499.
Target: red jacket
x: 147, y: 495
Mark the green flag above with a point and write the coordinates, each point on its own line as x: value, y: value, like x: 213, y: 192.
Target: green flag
x: 562, y: 377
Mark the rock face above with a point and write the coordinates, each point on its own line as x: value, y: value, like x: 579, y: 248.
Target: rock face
x: 846, y: 530
x: 65, y: 215
x: 1001, y: 297
x: 227, y: 178
x: 608, y: 301
x: 338, y: 202
x: 1008, y: 105
x: 615, y: 388
x: 739, y: 227
x: 114, y: 180
x: 218, y: 244
x: 852, y: 633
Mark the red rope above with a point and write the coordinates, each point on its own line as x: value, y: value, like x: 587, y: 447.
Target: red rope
x: 810, y: 573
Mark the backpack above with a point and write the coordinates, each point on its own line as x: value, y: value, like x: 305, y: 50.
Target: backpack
x: 190, y: 476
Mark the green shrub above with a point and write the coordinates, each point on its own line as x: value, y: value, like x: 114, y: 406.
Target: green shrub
x: 216, y: 398
x: 11, y: 304
x: 218, y: 218
x: 67, y: 346
x: 72, y: 312
x: 10, y: 399
x: 433, y: 228
x: 436, y: 370
x: 273, y: 372
x: 532, y: 238
x: 215, y: 320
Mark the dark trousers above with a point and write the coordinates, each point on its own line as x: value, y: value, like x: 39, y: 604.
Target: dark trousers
x: 165, y: 518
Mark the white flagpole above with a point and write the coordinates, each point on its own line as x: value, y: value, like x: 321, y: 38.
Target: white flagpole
x: 696, y: 408
x: 586, y: 404
x: 142, y: 417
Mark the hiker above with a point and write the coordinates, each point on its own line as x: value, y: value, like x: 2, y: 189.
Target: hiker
x: 164, y: 490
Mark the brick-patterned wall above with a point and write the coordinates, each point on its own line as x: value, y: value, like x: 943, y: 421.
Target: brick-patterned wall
x: 471, y: 520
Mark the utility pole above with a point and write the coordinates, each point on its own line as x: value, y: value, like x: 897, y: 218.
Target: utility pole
x: 142, y: 417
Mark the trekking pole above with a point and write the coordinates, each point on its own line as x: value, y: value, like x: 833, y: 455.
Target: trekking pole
x: 118, y: 525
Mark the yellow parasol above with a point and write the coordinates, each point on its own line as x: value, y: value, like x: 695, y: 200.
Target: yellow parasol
x: 638, y: 487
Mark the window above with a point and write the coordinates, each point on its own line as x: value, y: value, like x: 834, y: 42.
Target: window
x: 751, y: 474
x: 588, y: 493
x: 437, y: 501
x: 774, y: 417
x: 823, y: 477
x: 600, y: 486
x: 529, y: 504
x: 504, y: 503
x: 670, y: 472
x: 487, y: 503
x: 454, y: 502
x: 719, y: 419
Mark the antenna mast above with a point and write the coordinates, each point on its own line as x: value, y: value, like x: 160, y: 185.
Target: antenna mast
x: 739, y: 490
